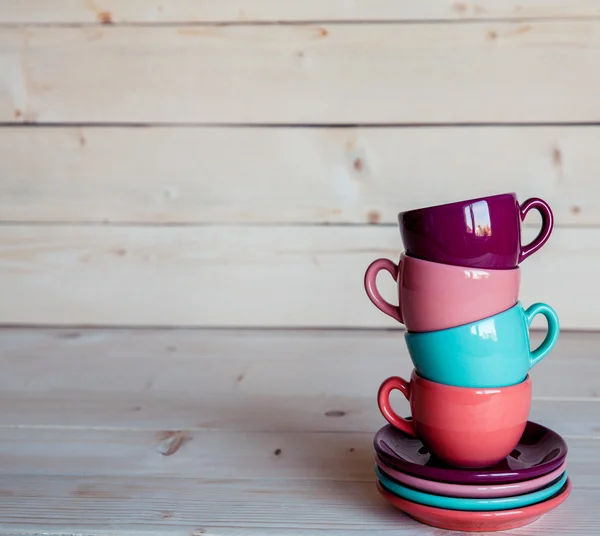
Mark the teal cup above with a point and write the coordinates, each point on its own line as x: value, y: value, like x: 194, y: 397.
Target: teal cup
x: 491, y: 352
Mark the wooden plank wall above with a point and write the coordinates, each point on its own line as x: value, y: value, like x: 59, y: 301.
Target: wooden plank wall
x: 226, y: 163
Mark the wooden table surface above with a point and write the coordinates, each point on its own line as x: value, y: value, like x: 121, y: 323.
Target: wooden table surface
x: 236, y: 432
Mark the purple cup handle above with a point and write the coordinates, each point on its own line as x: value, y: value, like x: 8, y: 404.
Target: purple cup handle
x: 547, y: 225
x: 371, y: 287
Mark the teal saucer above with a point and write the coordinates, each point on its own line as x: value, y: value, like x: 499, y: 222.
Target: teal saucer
x: 470, y: 504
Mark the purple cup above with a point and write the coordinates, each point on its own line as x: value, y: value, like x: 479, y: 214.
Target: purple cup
x: 480, y: 233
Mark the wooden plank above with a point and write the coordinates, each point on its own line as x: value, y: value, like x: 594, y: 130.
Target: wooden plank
x: 244, y: 276
x: 302, y: 73
x: 188, y: 454
x: 155, y: 11
x: 94, y: 506
x: 215, y: 455
x: 152, y: 412
x: 291, y: 175
x: 167, y: 377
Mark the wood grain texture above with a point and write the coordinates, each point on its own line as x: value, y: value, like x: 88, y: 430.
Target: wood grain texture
x: 534, y: 72
x: 154, y: 412
x: 244, y: 276
x: 200, y: 380
x: 182, y: 368
x: 215, y: 455
x: 290, y: 175
x: 228, y: 508
x: 156, y: 11
x: 272, y: 466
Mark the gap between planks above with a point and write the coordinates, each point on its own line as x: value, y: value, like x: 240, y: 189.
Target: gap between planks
x: 145, y: 412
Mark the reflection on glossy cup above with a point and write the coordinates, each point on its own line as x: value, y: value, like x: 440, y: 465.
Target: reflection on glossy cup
x: 434, y: 296
x: 481, y: 233
x: 491, y: 352
x: 464, y: 427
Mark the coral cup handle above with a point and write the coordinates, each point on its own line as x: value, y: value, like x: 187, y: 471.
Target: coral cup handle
x: 371, y: 287
x: 383, y: 401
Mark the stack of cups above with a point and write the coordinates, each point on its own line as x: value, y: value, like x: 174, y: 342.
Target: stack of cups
x: 467, y: 333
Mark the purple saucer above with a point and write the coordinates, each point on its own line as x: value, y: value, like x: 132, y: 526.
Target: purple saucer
x: 539, y: 451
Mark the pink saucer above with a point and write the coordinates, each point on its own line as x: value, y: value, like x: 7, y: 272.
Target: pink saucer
x: 465, y: 521
x: 478, y: 491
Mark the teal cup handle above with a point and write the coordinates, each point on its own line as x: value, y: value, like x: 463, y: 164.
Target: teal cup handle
x: 551, y: 336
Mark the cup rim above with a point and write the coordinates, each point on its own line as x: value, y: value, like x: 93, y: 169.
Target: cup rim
x: 405, y: 255
x: 466, y: 326
x: 455, y: 203
x: 415, y: 377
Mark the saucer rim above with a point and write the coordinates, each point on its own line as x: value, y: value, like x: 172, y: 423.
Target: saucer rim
x: 478, y: 490
x: 453, y: 475
x: 487, y: 521
x: 484, y: 504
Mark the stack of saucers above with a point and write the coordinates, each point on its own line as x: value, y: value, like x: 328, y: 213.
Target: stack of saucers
x: 468, y: 458
x: 526, y: 484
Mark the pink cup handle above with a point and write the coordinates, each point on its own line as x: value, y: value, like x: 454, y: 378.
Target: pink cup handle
x: 547, y: 225
x: 371, y: 287
x: 383, y: 401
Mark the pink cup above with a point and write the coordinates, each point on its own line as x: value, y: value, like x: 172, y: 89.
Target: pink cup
x: 434, y: 296
x: 463, y: 426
